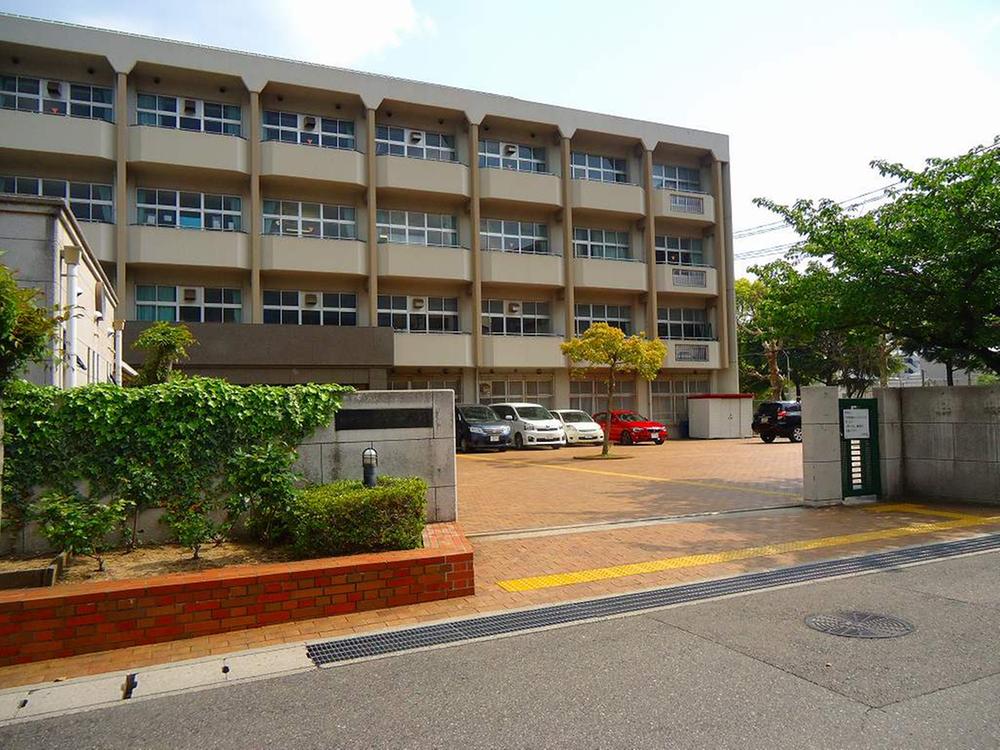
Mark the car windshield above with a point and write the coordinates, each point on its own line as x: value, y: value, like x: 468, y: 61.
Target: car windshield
x: 533, y: 412
x: 631, y: 416
x: 575, y: 416
x: 474, y: 414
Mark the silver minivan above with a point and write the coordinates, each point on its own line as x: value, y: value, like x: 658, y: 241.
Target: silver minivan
x: 532, y: 424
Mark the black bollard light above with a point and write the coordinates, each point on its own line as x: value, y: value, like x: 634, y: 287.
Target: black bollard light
x: 369, y: 462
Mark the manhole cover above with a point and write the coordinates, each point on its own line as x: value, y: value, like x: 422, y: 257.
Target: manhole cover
x: 860, y: 625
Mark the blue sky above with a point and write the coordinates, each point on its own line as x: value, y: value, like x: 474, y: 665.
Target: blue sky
x: 809, y: 93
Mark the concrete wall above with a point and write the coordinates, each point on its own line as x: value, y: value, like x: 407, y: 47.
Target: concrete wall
x: 821, y: 483
x: 427, y: 452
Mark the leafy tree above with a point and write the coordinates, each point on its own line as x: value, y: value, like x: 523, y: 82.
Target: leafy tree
x: 164, y: 345
x: 759, y: 324
x: 924, y: 268
x: 25, y: 332
x: 76, y: 524
x: 603, y: 345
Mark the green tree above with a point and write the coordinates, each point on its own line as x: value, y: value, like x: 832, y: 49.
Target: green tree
x: 164, y: 345
x: 923, y: 268
x: 25, y: 332
x: 760, y: 325
x: 603, y: 345
x: 73, y: 523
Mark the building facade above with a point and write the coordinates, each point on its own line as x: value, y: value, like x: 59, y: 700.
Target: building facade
x: 230, y: 189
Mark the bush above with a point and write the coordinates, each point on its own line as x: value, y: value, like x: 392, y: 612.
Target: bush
x: 191, y: 527
x: 75, y: 524
x: 346, y: 517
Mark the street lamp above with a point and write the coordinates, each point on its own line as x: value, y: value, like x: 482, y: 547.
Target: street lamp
x: 369, y: 464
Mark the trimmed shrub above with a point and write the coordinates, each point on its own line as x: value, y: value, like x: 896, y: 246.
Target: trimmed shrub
x: 75, y: 524
x: 345, y: 517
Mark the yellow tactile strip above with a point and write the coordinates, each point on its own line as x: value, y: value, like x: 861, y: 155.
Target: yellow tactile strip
x: 957, y: 521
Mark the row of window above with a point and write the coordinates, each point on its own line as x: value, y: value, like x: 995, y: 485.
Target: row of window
x: 515, y: 318
x: 292, y: 307
x: 418, y: 314
x: 298, y: 219
x: 53, y: 97
x: 189, y: 210
x: 87, y: 200
x: 188, y: 304
x: 308, y: 130
x: 188, y: 114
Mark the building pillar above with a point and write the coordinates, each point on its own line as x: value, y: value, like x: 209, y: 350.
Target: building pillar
x: 722, y: 252
x: 71, y: 257
x: 474, y: 244
x: 118, y: 324
x: 256, y: 220
x: 649, y: 246
x: 372, y: 230
x: 121, y: 185
x: 567, y: 222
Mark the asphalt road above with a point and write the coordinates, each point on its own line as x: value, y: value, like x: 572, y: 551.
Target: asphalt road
x: 744, y: 672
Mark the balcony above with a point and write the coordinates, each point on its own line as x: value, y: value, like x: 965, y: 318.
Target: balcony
x: 424, y: 262
x: 525, y: 188
x: 697, y: 355
x: 597, y: 273
x: 188, y: 247
x: 523, y: 351
x: 312, y: 163
x: 618, y: 199
x: 101, y: 238
x: 312, y: 255
x: 433, y: 349
x: 696, y: 208
x: 521, y: 268
x: 701, y: 281
x: 422, y: 176
x: 52, y: 134
x: 182, y: 148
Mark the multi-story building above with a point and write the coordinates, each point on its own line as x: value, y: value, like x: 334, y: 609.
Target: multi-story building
x: 262, y: 196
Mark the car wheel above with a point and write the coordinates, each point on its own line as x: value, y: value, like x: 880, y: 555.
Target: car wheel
x: 767, y: 438
x: 796, y: 436
x: 659, y: 442
x: 518, y: 441
x: 464, y: 445
x: 556, y: 447
x: 626, y: 438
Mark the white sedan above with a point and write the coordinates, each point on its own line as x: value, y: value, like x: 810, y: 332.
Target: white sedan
x: 580, y: 427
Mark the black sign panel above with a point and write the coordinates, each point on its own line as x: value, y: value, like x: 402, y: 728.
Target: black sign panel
x: 383, y: 419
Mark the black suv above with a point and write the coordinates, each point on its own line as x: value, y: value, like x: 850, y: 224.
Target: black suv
x: 776, y: 419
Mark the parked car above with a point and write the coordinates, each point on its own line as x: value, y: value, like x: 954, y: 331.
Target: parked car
x: 580, y: 427
x: 478, y: 426
x: 628, y: 427
x: 532, y: 425
x: 774, y: 419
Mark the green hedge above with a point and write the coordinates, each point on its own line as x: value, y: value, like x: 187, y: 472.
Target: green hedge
x: 346, y: 517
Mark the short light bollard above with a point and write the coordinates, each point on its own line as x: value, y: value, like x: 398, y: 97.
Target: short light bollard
x: 369, y: 462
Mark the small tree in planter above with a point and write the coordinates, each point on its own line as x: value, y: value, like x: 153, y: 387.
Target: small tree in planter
x: 603, y: 345
x: 75, y: 524
x: 164, y: 345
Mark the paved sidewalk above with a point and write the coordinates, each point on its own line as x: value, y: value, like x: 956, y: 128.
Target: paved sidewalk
x: 505, y: 559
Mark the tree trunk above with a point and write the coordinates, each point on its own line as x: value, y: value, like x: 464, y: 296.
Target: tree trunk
x: 606, y: 447
x: 949, y: 370
x: 1, y: 463
x: 771, y: 353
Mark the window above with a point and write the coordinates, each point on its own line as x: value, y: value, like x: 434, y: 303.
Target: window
x: 597, y: 167
x: 670, y: 404
x: 516, y: 156
x: 683, y: 251
x: 515, y: 318
x: 188, y: 114
x: 676, y: 178
x: 189, y: 304
x: 295, y: 219
x: 402, y: 383
x: 601, y: 243
x: 687, y: 204
x: 172, y: 208
x: 88, y: 201
x: 591, y: 395
x: 56, y: 97
x: 418, y: 314
x: 308, y: 130
x: 513, y: 236
x: 689, y: 277
x: 682, y: 323
x: 691, y: 352
x: 291, y: 307
x: 416, y: 144
x: 416, y: 228
x: 619, y: 316
x: 519, y: 388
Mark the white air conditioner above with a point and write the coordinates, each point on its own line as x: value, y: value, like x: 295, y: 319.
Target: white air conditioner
x: 310, y: 299
x: 190, y: 107
x: 513, y: 307
x: 189, y: 294
x: 418, y: 303
x: 485, y: 390
x: 308, y: 122
x: 416, y: 136
x: 55, y: 89
x: 510, y: 149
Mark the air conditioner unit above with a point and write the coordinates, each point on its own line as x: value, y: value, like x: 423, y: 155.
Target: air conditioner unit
x: 418, y: 303
x: 55, y: 89
x: 485, y: 390
x: 513, y: 307
x: 310, y: 299
x: 189, y: 294
x: 510, y: 149
x: 416, y: 137
x: 308, y: 123
x: 190, y: 106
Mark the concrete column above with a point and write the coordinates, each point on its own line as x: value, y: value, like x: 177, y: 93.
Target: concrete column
x: 121, y: 185
x: 118, y: 325
x: 567, y: 222
x: 821, y: 472
x: 71, y: 257
x: 477, y: 281
x: 890, y: 440
x: 256, y: 207
x: 644, y: 393
x: 722, y: 263
x: 372, y: 232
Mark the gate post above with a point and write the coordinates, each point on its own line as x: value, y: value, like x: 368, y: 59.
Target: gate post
x: 821, y: 473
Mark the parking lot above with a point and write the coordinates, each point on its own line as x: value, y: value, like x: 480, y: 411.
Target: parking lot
x: 544, y: 488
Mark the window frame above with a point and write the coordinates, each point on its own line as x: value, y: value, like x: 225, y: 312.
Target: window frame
x: 170, y: 108
x: 178, y: 304
x: 587, y: 312
x: 291, y: 218
x: 584, y: 391
x: 338, y: 137
x: 72, y: 102
x: 398, y: 311
x: 591, y: 242
x: 531, y: 159
x: 162, y: 209
x: 676, y: 177
x: 683, y: 324
x: 75, y: 202
x: 585, y: 165
x: 684, y: 250
x: 389, y: 229
x: 336, y: 308
x: 395, y: 140
x: 496, y: 312
x: 514, y: 236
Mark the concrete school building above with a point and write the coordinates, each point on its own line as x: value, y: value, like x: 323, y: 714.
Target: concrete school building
x: 314, y: 223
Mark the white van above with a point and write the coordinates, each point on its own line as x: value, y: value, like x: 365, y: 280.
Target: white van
x: 532, y: 424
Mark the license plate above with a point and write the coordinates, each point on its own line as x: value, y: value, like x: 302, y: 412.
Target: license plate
x: 764, y: 420
x: 494, y: 438
x: 654, y: 435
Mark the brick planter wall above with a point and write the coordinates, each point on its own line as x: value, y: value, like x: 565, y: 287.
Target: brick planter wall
x: 38, y: 624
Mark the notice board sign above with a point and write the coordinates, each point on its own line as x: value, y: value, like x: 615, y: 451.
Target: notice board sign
x: 856, y: 424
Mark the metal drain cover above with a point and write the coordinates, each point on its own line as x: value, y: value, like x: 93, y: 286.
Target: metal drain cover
x: 851, y: 624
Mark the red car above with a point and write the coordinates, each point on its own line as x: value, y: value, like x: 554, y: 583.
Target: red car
x: 628, y: 427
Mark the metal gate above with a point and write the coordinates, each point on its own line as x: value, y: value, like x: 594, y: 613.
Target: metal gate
x: 859, y: 459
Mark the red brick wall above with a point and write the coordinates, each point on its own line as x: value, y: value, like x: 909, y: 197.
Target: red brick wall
x: 38, y: 624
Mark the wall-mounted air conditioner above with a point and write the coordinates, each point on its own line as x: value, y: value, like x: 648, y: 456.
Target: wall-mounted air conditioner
x: 513, y: 307
x: 416, y: 136
x: 418, y: 303
x: 510, y: 149
x: 310, y: 299
x: 308, y: 122
x: 189, y: 294
x: 55, y: 89
x: 190, y: 107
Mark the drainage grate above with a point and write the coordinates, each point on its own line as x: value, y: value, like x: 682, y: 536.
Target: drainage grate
x: 380, y: 644
x: 852, y: 624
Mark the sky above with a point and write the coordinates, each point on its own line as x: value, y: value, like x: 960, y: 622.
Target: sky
x: 809, y: 93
